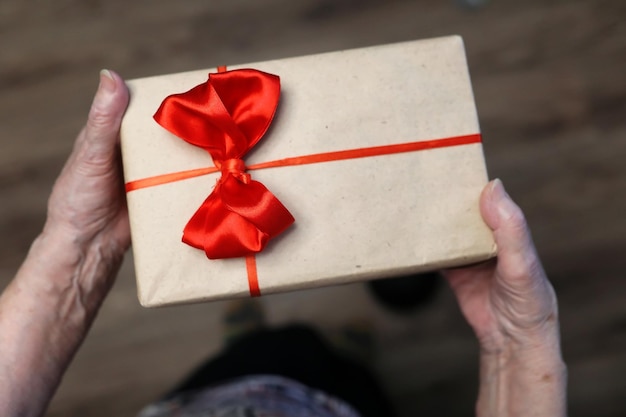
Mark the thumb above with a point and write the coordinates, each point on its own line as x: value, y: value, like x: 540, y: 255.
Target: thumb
x: 521, y: 289
x: 517, y: 259
x: 101, y: 132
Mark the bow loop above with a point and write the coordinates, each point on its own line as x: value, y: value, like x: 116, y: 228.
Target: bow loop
x: 226, y: 116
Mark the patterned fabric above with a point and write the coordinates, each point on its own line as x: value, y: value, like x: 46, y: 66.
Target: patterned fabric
x: 253, y: 396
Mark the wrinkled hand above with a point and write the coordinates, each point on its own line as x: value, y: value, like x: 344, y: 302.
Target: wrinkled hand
x: 48, y: 307
x: 88, y: 204
x: 512, y: 309
x: 509, y: 299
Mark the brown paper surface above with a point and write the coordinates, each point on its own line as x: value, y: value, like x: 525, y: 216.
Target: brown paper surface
x: 355, y: 219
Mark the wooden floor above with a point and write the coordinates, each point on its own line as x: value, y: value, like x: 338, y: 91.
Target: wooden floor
x: 550, y: 83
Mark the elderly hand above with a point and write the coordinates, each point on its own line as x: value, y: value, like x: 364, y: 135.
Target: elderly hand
x: 47, y: 309
x: 512, y: 309
x: 88, y: 205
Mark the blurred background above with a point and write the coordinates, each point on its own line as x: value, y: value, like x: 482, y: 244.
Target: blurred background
x: 550, y: 83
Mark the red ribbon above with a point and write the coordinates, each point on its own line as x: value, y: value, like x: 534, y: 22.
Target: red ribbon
x: 227, y: 116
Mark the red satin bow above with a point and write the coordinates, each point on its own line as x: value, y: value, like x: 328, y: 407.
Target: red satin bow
x: 227, y: 116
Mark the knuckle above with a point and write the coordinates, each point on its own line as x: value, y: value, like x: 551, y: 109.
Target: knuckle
x: 517, y: 220
x: 91, y: 160
x: 525, y: 269
x: 98, y: 119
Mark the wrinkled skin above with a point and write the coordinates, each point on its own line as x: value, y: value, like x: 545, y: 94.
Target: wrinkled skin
x: 512, y: 309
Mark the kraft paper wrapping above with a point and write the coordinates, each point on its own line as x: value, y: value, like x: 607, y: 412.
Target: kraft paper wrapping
x: 356, y: 219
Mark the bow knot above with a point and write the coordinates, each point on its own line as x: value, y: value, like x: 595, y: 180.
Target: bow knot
x: 226, y: 116
x: 235, y: 167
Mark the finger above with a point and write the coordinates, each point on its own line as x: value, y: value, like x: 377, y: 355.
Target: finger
x: 516, y: 253
x: 523, y: 293
x: 105, y: 117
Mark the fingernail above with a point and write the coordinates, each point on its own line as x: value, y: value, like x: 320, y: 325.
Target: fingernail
x: 107, y: 82
x: 496, y: 186
x: 504, y: 203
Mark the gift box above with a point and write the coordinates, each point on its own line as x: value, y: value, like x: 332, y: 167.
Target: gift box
x: 375, y: 153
